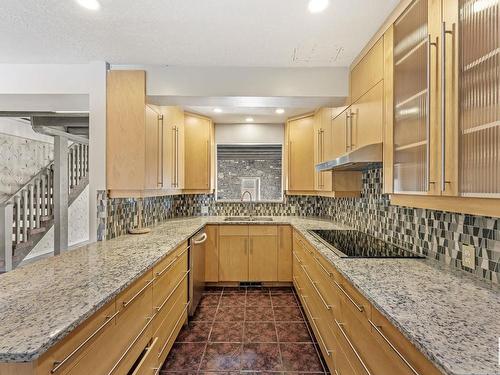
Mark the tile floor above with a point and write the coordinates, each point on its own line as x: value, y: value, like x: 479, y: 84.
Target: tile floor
x: 240, y: 330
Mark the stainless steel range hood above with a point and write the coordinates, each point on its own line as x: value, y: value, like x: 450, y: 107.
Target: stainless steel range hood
x: 356, y: 160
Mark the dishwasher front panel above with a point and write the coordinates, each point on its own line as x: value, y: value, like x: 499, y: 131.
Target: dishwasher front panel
x: 197, y: 267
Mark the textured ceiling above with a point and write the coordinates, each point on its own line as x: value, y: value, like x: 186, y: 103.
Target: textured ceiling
x: 188, y: 32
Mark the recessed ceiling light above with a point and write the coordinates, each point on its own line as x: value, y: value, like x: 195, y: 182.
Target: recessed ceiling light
x: 89, y: 4
x: 280, y: 111
x: 249, y: 119
x: 316, y: 6
x: 217, y: 110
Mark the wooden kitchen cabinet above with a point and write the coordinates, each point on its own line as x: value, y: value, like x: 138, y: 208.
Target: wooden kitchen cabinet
x: 323, y: 147
x: 133, y: 133
x: 339, y: 134
x: 451, y: 163
x: 212, y: 253
x: 132, y: 334
x: 353, y: 336
x: 263, y: 255
x: 173, y: 143
x: 233, y: 258
x: 285, y: 272
x: 367, y: 117
x: 300, y: 153
x: 367, y: 72
x: 199, y: 153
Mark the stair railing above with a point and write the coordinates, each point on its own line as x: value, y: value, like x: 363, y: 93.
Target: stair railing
x: 23, y: 214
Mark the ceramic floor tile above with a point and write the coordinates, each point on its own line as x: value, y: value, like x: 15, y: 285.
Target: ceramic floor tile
x: 300, y: 357
x: 227, y: 332
x: 233, y: 299
x: 195, y: 332
x: 184, y: 357
x: 285, y: 299
x: 293, y: 332
x: 288, y: 314
x: 260, y: 332
x: 210, y: 299
x: 230, y: 314
x: 205, y: 313
x: 259, y: 314
x: 260, y: 356
x: 258, y: 300
x: 221, y: 357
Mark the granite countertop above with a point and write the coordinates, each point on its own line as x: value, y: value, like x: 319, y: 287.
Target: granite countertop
x: 451, y: 317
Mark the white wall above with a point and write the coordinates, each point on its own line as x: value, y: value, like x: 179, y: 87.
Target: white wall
x: 244, y: 81
x: 249, y: 133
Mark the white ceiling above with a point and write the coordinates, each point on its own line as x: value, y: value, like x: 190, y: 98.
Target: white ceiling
x: 266, y: 33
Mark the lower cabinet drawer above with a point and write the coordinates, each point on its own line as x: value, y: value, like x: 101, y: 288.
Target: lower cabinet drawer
x: 174, y: 318
x: 149, y: 362
x: 62, y: 357
x: 342, y: 365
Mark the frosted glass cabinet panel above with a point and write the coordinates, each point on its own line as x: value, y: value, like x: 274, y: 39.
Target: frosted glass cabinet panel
x: 411, y: 100
x: 479, y: 97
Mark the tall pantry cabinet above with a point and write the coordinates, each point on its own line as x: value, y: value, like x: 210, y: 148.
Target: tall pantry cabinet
x: 446, y: 71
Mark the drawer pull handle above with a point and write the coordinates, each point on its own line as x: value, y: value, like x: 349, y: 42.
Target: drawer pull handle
x: 297, y: 282
x: 58, y: 364
x: 149, y: 319
x: 200, y: 240
x: 379, y: 331
x: 177, y: 257
x: 328, y: 351
x: 359, y: 307
x: 126, y: 303
x: 340, y: 325
x: 329, y: 274
x: 173, y: 330
x: 336, y: 372
x: 327, y: 306
x: 296, y: 257
x: 158, y: 308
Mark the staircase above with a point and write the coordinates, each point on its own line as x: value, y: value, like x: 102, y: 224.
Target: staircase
x: 28, y: 214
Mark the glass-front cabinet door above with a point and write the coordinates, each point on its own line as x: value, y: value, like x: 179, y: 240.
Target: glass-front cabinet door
x: 471, y: 113
x: 412, y: 127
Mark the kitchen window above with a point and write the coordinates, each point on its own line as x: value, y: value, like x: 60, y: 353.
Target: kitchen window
x: 249, y: 172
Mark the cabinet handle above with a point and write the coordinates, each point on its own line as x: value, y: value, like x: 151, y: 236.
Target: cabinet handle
x: 340, y: 325
x: 359, y: 307
x: 149, y: 320
x: 443, y: 103
x: 296, y: 257
x: 328, y: 273
x: 208, y: 164
x: 173, y: 157
x: 351, y: 142
x: 176, y: 156
x: 58, y: 364
x: 346, y: 132
x: 290, y: 166
x: 379, y: 331
x: 313, y: 321
x: 177, y: 257
x: 428, y: 105
x: 173, y: 330
x: 160, y: 151
x: 336, y: 372
x: 158, y: 308
x: 313, y: 283
x: 297, y: 282
x: 201, y: 239
x: 126, y: 303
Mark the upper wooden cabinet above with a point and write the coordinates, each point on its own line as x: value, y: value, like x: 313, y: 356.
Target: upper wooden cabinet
x: 323, y: 147
x: 300, y: 153
x: 446, y: 105
x: 199, y: 153
x: 366, y: 117
x: 173, y: 151
x: 367, y: 72
x: 133, y: 136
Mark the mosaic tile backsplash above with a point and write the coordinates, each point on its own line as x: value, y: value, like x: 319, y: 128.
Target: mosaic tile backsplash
x: 435, y: 234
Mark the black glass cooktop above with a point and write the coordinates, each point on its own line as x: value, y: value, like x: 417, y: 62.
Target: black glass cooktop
x: 356, y: 244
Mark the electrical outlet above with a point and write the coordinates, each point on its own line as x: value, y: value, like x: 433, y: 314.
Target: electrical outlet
x: 469, y: 256
x: 293, y: 209
x: 204, y: 210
